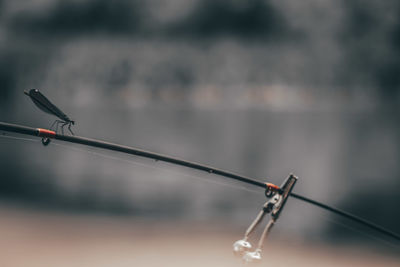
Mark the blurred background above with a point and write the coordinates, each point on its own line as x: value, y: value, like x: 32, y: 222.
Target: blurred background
x: 262, y: 88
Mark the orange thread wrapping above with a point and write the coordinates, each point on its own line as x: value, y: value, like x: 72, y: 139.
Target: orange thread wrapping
x: 272, y: 186
x: 46, y: 133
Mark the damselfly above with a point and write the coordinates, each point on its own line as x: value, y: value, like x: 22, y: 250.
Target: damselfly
x: 45, y: 105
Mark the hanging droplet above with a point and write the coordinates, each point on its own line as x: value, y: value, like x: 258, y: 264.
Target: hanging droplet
x: 240, y: 247
x: 252, y: 256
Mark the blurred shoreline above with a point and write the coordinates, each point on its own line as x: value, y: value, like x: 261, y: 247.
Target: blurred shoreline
x: 40, y: 238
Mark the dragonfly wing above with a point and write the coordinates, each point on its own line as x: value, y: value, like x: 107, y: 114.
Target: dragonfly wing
x: 45, y: 105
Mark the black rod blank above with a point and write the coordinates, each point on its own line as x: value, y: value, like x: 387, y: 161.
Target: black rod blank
x: 146, y: 154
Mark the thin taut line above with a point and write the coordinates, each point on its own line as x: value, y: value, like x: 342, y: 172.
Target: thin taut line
x: 146, y: 154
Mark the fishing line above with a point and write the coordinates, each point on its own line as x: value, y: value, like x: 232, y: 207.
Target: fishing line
x: 132, y: 161
x: 349, y: 216
x: 48, y: 134
x: 4, y: 135
x: 146, y: 165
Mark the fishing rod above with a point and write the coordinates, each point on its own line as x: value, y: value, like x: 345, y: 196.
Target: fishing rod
x: 269, y: 188
x: 277, y: 196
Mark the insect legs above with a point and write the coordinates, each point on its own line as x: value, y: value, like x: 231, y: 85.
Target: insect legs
x: 69, y: 128
x: 56, y: 123
x: 65, y: 123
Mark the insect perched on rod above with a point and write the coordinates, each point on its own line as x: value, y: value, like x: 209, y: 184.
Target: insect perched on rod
x: 45, y: 105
